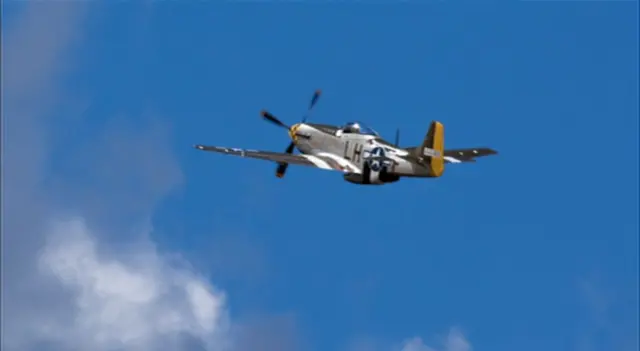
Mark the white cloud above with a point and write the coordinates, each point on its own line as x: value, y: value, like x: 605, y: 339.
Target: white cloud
x: 143, y: 304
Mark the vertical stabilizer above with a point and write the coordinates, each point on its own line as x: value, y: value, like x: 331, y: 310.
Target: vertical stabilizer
x: 431, y: 152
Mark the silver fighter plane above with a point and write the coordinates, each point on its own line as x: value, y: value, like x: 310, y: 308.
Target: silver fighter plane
x: 359, y: 152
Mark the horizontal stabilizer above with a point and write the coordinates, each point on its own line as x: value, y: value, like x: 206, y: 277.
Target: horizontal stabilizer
x: 468, y: 154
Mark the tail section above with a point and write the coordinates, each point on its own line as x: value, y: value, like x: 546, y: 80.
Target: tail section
x: 432, y: 149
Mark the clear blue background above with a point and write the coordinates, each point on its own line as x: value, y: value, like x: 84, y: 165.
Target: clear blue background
x: 499, y: 247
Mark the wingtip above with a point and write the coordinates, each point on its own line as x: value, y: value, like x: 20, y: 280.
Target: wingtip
x: 199, y: 147
x: 318, y: 91
x: 263, y: 113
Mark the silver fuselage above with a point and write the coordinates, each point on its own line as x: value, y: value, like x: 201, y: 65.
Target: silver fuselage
x: 332, y: 142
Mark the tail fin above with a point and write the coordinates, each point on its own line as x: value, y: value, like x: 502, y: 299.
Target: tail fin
x: 432, y: 149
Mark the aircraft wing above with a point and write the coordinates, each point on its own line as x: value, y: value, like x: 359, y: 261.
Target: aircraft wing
x: 467, y: 155
x: 323, y: 161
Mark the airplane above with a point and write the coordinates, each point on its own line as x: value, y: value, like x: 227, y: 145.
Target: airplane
x: 358, y: 152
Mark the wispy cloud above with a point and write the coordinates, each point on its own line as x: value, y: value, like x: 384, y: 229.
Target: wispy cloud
x: 66, y: 286
x: 270, y: 333
x: 454, y: 341
x: 34, y: 51
x: 611, y: 321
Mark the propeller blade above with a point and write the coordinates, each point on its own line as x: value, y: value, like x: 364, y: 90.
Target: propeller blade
x: 282, y: 167
x: 290, y: 148
x: 271, y: 118
x: 314, y: 99
x: 397, y: 137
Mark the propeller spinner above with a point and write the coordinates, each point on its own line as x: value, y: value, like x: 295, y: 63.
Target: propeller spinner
x: 282, y: 166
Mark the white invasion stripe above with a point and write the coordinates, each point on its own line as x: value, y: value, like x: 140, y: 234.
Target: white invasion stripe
x: 430, y: 152
x: 318, y: 162
x: 451, y: 159
x: 331, y: 165
x: 341, y: 161
x: 401, y: 152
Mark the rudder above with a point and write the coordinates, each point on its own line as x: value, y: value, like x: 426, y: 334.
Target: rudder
x: 432, y: 149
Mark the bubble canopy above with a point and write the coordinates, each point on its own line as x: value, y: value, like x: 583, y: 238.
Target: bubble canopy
x: 359, y: 128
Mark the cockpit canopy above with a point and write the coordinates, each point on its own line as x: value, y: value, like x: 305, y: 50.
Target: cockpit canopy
x: 358, y: 128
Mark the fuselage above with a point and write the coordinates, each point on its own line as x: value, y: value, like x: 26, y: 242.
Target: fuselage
x: 367, y: 152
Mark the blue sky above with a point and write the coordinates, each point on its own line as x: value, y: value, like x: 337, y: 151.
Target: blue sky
x: 536, y: 248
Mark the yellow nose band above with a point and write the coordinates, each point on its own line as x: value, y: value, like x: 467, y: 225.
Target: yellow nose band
x: 293, y: 130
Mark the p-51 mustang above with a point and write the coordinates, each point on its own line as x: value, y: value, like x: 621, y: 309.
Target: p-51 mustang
x: 359, y: 152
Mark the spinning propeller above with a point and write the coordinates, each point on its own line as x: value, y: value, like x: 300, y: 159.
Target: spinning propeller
x: 282, y: 166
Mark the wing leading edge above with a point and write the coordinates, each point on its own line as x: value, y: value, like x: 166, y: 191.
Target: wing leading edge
x: 324, y: 161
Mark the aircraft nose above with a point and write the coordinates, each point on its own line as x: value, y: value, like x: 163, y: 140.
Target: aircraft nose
x: 292, y: 131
